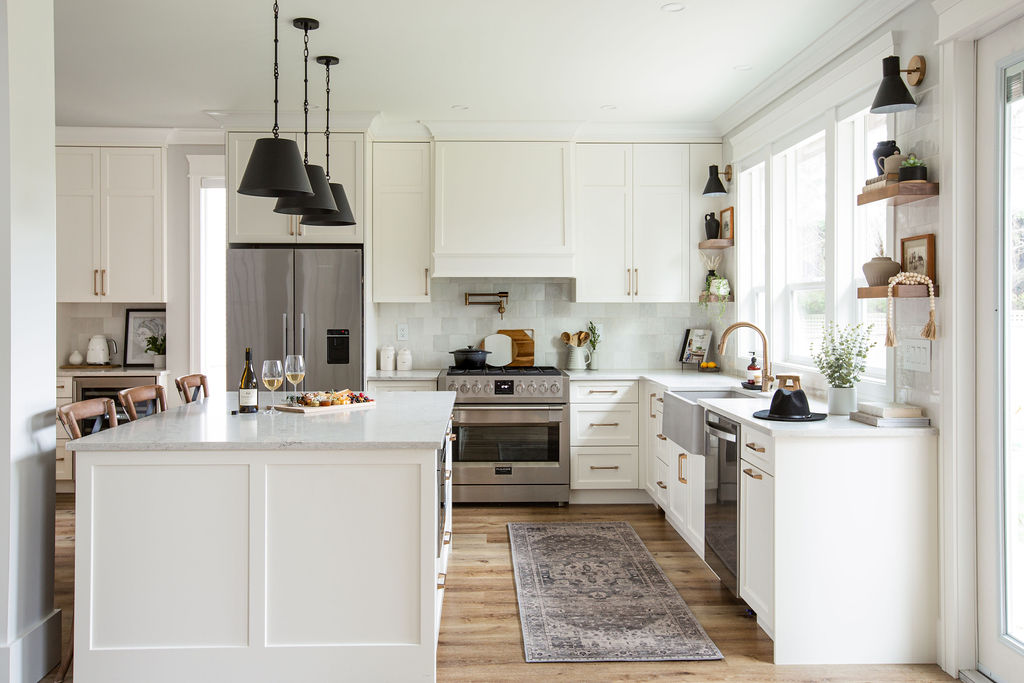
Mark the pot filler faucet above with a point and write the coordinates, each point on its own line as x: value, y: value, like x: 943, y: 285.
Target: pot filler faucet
x: 767, y: 380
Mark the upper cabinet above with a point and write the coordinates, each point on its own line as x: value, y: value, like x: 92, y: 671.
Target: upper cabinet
x: 502, y: 209
x: 111, y: 227
x: 252, y: 219
x: 401, y: 221
x: 633, y: 222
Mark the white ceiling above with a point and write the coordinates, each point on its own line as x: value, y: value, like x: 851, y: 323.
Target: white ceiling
x: 162, y: 64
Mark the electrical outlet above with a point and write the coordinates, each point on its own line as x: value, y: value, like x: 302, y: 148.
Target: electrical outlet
x: 403, y: 332
x: 917, y: 354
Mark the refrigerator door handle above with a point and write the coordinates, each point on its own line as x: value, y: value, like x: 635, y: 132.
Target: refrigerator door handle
x: 302, y: 342
x: 284, y: 334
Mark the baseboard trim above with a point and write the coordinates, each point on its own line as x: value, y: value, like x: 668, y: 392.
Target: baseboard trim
x: 29, y: 658
x: 973, y: 676
x: 609, y: 497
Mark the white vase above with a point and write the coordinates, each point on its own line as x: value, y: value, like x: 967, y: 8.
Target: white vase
x: 593, y: 360
x: 842, y: 400
x: 159, y: 361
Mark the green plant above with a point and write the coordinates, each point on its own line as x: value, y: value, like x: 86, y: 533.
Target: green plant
x: 594, y: 336
x: 843, y: 353
x: 911, y: 161
x: 157, y: 344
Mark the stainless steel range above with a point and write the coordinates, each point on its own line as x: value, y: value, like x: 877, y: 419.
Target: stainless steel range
x: 511, y: 430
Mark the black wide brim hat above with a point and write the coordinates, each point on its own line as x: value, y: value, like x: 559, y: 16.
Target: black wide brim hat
x: 790, y: 406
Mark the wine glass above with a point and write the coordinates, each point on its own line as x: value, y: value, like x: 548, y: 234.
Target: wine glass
x: 273, y: 378
x: 294, y: 370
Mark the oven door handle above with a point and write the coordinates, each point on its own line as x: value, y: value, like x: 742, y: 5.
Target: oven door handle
x: 537, y: 407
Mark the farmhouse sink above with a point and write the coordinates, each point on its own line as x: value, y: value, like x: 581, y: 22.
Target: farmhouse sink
x: 683, y: 420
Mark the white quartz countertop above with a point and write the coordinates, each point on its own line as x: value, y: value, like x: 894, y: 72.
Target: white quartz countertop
x: 742, y: 410
x: 400, y: 420
x: 113, y: 372
x: 673, y: 378
x: 406, y: 375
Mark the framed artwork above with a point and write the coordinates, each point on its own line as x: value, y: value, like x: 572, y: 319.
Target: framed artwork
x: 696, y: 345
x: 138, y: 325
x: 727, y: 224
x: 917, y: 255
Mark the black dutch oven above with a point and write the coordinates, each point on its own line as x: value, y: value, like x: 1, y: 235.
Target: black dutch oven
x: 470, y: 358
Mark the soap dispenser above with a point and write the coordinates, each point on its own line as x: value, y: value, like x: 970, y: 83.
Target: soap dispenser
x: 753, y: 372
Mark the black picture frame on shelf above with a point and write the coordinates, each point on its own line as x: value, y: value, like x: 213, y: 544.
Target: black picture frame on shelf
x: 140, y: 323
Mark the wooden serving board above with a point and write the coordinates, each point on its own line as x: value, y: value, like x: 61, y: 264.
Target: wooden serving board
x: 322, y: 410
x: 522, y: 343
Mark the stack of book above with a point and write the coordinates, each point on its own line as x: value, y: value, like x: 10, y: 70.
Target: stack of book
x: 875, y: 184
x: 889, y: 415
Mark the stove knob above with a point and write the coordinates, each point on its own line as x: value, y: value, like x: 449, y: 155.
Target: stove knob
x: 476, y: 387
x: 519, y: 388
x: 464, y: 388
x: 531, y: 387
x: 543, y: 388
x: 555, y: 388
x: 488, y: 388
x: 451, y: 386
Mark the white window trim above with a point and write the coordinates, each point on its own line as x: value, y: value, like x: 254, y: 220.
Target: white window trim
x: 200, y: 166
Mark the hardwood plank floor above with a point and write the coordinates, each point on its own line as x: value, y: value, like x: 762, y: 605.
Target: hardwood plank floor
x: 481, y: 639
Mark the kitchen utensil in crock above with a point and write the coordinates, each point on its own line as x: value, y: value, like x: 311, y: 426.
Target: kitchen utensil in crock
x: 566, y: 338
x: 584, y: 338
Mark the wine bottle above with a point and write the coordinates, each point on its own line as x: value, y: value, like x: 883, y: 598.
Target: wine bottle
x: 247, y: 391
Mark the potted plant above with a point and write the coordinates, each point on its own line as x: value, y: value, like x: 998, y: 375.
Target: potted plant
x: 913, y: 170
x: 841, y: 359
x: 879, y: 269
x: 593, y: 341
x: 157, y: 345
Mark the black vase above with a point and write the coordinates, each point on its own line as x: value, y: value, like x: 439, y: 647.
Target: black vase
x: 916, y: 174
x: 885, y: 148
x: 711, y: 226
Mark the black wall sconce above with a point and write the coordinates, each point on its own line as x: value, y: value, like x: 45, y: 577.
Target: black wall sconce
x: 714, y: 187
x: 892, y: 95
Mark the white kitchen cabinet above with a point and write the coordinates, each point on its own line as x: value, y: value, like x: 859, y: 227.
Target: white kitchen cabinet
x: 607, y: 467
x: 252, y: 219
x: 379, y: 386
x: 651, y: 437
x: 693, y: 524
x: 599, y: 424
x: 633, y: 238
x: 604, y: 435
x: 502, y: 209
x: 661, y: 475
x: 401, y: 222
x: 757, y: 547
x: 111, y: 227
x: 620, y: 391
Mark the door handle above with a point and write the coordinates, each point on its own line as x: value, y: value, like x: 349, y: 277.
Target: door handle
x: 652, y: 406
x: 302, y: 344
x: 629, y: 282
x: 284, y: 334
x: 291, y: 226
x: 95, y: 289
x: 426, y: 282
x: 750, y: 473
x: 662, y: 437
x: 636, y: 282
x: 661, y: 484
x: 103, y: 282
x: 604, y: 424
x: 302, y: 228
x: 682, y: 479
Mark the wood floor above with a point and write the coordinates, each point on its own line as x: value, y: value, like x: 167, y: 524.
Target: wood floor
x: 481, y: 638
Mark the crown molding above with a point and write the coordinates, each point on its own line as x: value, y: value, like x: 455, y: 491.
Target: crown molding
x: 398, y: 131
x: 850, y: 30
x: 510, y: 131
x: 596, y: 131
x: 257, y: 120
x: 972, y: 19
x: 92, y: 136
x: 196, y: 136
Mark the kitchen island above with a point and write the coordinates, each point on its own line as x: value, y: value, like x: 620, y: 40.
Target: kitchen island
x: 215, y: 547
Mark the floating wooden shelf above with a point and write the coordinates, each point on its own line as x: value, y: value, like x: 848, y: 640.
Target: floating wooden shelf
x: 715, y: 244
x: 706, y: 298
x: 899, y: 291
x: 900, y: 193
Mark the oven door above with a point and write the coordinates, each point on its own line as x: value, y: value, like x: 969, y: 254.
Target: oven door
x: 511, y: 445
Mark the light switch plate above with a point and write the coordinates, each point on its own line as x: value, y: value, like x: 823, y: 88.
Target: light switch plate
x: 403, y: 332
x: 917, y: 355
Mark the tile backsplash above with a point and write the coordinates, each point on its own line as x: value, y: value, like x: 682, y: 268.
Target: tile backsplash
x: 641, y: 336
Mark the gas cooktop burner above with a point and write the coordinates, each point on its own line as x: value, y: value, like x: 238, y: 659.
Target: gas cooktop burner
x: 495, y: 371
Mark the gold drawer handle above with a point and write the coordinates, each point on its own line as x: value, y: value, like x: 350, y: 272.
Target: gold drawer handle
x: 451, y: 437
x: 750, y: 473
x: 661, y: 484
x: 661, y: 400
x: 604, y: 467
x: 662, y: 437
x: 441, y: 578
x: 426, y: 282
x: 447, y: 475
x: 603, y: 391
x: 754, y: 447
x: 60, y: 459
x: 447, y: 538
x: 604, y: 424
x: 682, y: 480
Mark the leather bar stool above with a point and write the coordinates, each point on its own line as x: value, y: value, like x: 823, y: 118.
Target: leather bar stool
x: 189, y: 386
x: 153, y: 394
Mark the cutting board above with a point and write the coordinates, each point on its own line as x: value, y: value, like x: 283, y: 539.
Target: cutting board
x: 321, y: 410
x: 502, y: 349
x: 522, y: 341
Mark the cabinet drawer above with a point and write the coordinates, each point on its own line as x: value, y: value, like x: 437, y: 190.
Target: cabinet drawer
x: 375, y: 387
x: 604, y: 468
x: 603, y: 392
x: 65, y: 464
x: 661, y: 483
x: 63, y: 390
x: 603, y: 425
x: 756, y: 447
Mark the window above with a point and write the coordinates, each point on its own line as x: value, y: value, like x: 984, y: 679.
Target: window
x: 799, y: 207
x: 213, y: 282
x: 750, y: 246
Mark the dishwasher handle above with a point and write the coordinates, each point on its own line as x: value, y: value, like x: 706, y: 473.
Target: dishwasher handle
x: 723, y: 435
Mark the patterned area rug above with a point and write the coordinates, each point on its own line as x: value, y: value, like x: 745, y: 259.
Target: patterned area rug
x: 590, y: 592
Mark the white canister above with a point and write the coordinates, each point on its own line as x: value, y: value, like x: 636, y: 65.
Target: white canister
x: 387, y: 358
x: 404, y: 359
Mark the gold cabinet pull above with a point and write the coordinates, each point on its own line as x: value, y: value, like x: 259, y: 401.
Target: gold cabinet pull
x: 662, y: 437
x: 629, y: 282
x: 661, y: 484
x: 447, y: 475
x: 451, y: 437
x: 302, y: 228
x: 103, y: 282
x: 604, y: 467
x: 447, y: 538
x: 682, y: 479
x: 636, y: 282
x: 95, y: 289
x: 291, y: 226
x: 750, y: 473
x: 661, y: 400
x: 604, y: 424
x: 754, y: 447
x: 426, y: 282
x: 603, y: 391
x: 441, y: 578
x: 652, y: 406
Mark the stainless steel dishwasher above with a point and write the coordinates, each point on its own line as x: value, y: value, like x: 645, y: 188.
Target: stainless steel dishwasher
x: 721, y: 510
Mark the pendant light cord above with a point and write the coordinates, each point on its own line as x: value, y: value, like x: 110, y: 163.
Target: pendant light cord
x: 277, y: 73
x: 305, y: 95
x: 327, y: 128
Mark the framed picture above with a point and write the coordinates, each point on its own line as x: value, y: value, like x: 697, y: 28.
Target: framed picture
x: 696, y: 345
x: 138, y: 325
x: 727, y: 224
x: 917, y: 255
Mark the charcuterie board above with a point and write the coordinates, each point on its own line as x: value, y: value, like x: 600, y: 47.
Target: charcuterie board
x: 323, y: 410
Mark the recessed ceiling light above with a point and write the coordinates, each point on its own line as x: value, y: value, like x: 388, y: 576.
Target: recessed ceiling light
x: 673, y: 7
x: 460, y: 107
x: 609, y: 107
x: 743, y: 67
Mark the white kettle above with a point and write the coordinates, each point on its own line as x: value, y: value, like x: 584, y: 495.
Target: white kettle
x: 98, y: 353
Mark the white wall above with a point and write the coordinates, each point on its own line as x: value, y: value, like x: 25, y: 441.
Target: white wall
x: 29, y: 626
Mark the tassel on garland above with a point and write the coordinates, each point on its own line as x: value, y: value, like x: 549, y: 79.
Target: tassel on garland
x: 929, y: 329
x: 890, y: 338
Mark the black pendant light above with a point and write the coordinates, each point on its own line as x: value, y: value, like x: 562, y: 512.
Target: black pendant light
x: 343, y: 216
x: 275, y: 165
x: 892, y: 95
x: 714, y: 187
x: 322, y: 201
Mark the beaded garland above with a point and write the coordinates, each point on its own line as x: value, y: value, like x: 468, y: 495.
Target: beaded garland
x: 910, y: 279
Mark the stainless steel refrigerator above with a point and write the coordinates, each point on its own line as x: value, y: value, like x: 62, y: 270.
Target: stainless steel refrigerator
x: 283, y: 300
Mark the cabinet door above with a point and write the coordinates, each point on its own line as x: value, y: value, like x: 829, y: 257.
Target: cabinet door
x: 757, y: 553
x: 694, y: 522
x: 604, y: 223
x: 401, y: 221
x: 78, y: 224
x: 252, y: 219
x: 661, y: 249
x: 347, y: 169
x: 133, y: 239
x: 678, y: 486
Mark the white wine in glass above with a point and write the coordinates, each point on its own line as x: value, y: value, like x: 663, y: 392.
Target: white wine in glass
x: 294, y: 370
x: 273, y: 378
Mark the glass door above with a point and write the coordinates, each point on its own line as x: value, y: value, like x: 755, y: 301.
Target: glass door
x: 1000, y: 454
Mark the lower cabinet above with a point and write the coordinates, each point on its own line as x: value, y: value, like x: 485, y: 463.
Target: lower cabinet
x: 604, y: 467
x: 757, y: 548
x: 686, y: 497
x: 383, y: 386
x: 604, y: 435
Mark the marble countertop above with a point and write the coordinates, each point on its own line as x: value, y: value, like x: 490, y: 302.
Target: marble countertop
x: 742, y: 410
x: 410, y: 420
x: 420, y: 375
x: 673, y: 378
x: 119, y: 371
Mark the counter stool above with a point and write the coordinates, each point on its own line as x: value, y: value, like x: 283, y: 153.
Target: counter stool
x: 152, y: 394
x: 189, y: 385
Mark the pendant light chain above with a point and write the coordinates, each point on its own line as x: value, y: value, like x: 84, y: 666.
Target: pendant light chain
x: 277, y: 73
x: 305, y: 95
x: 327, y: 128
